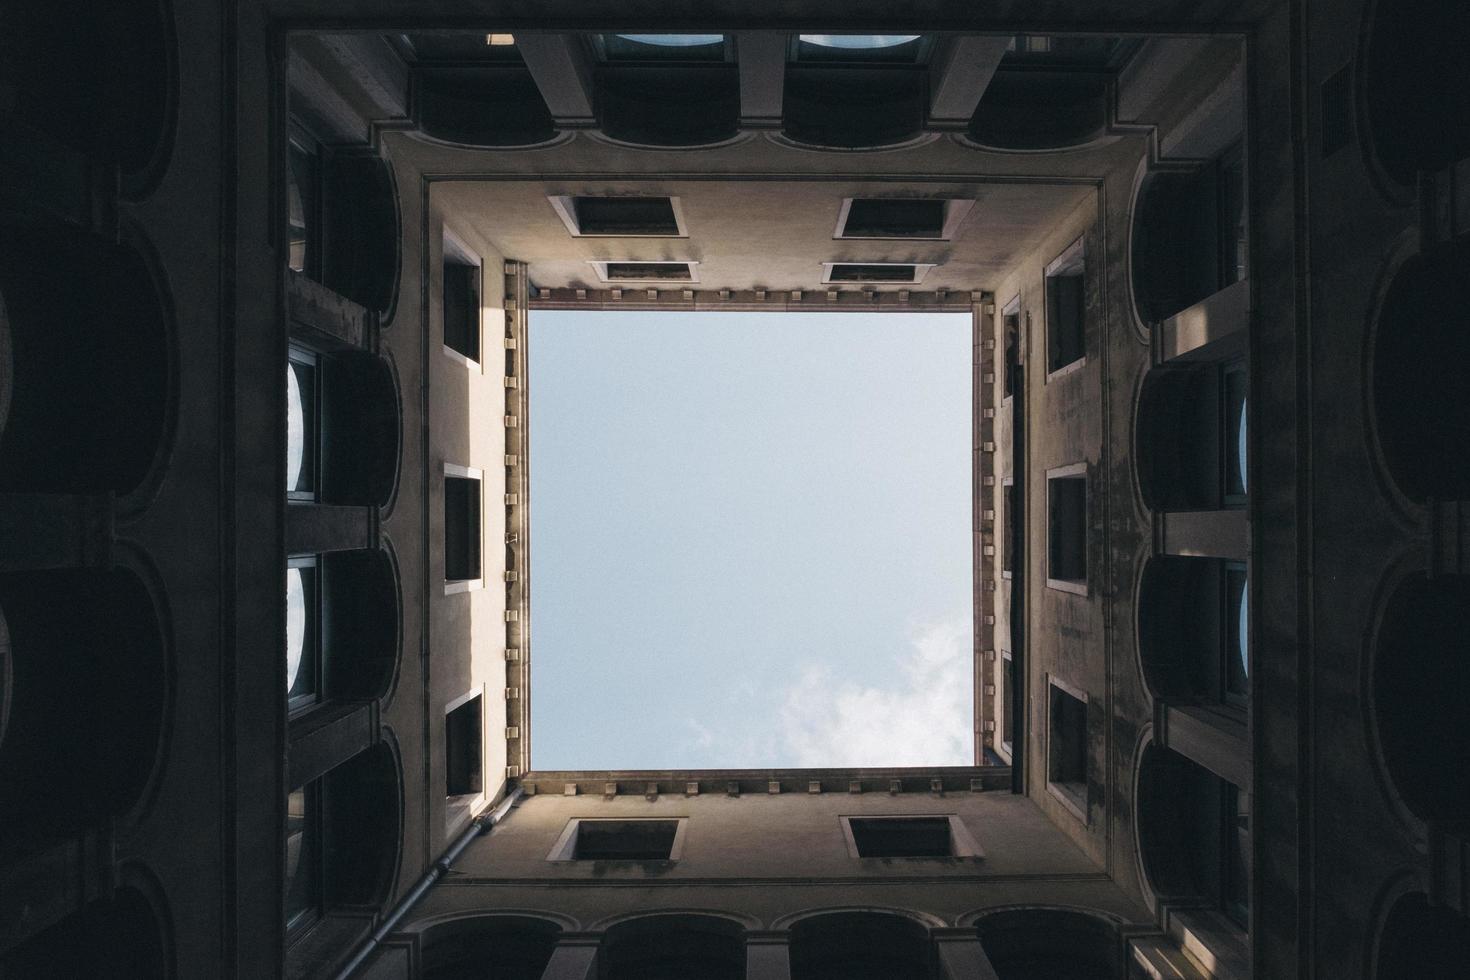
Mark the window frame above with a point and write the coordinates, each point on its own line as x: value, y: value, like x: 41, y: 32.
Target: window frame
x: 299, y: 924
x: 1008, y: 719
x: 456, y: 253
x: 465, y: 804
x: 1059, y: 789
x: 1012, y: 368
x: 565, y: 206
x: 452, y: 585
x: 1070, y: 263
x: 1229, y: 625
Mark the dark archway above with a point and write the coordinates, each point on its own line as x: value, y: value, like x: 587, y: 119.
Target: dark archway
x: 860, y: 946
x: 1420, y: 675
x: 1024, y: 109
x: 669, y: 105
x: 1058, y: 944
x: 1193, y: 630
x: 1421, y: 371
x: 1422, y: 942
x: 489, y: 947
x: 87, y: 692
x: 1416, y: 85
x: 673, y: 947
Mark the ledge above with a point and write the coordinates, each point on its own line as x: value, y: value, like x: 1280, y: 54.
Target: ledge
x: 1206, y: 329
x: 325, y: 318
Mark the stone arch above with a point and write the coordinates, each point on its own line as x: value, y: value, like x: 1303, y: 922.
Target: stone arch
x: 860, y: 944
x: 1192, y: 628
x: 1041, y: 110
x: 673, y: 946
x: 519, y: 945
x: 1053, y: 942
x: 1420, y: 941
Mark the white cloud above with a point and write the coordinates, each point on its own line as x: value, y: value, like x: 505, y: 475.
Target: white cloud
x: 924, y: 718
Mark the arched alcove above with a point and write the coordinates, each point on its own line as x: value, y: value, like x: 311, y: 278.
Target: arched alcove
x: 1187, y: 235
x: 860, y: 946
x: 673, y: 947
x: 361, y: 233
x: 363, y: 417
x: 1415, y: 83
x: 361, y: 624
x: 506, y: 947
x: 88, y: 364
x: 668, y: 105
x: 1058, y: 944
x: 1420, y: 941
x: 482, y: 105
x: 86, y: 694
x: 853, y: 107
x: 1041, y: 110
x: 1421, y: 371
x: 117, y: 939
x: 1190, y: 431
x: 1420, y: 675
x: 1193, y: 616
x: 1193, y: 834
x: 98, y: 78
x: 362, y: 806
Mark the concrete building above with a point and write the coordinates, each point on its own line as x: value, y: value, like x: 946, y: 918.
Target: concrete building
x: 1216, y: 258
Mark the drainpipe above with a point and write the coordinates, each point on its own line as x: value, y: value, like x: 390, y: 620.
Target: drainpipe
x: 478, y: 826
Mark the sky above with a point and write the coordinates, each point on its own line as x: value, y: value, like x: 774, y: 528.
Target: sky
x: 750, y: 540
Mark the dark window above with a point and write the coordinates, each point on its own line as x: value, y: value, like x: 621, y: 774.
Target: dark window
x: 1008, y: 519
x: 1230, y: 206
x: 303, y: 425
x: 462, y: 308
x: 1235, y: 645
x: 303, y: 858
x: 625, y: 216
x: 463, y: 772
x: 1067, y: 746
x: 1066, y: 313
x: 1067, y: 528
x: 660, y: 47
x: 1011, y: 324
x: 851, y: 272
x: 675, y: 271
x: 625, y: 840
x: 1007, y: 705
x: 894, y: 218
x: 901, y: 836
x: 303, y: 632
x: 461, y: 528
x: 303, y: 206
x: 1234, y: 391
x: 1235, y: 845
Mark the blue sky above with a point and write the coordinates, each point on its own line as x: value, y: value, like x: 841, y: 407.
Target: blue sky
x: 750, y: 540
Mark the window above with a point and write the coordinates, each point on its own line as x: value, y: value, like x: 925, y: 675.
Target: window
x: 1011, y: 327
x: 1066, y: 309
x: 303, y: 428
x: 1229, y: 179
x: 640, y: 839
x: 632, y: 271
x: 303, y: 206
x: 895, y: 272
x: 303, y: 858
x: 1066, y: 527
x: 1010, y: 518
x: 900, y: 218
x: 463, y: 767
x: 1235, y: 846
x: 303, y: 633
x: 1066, y: 758
x: 660, y: 47
x: 1007, y: 702
x: 906, y: 837
x: 862, y: 48
x: 461, y: 301
x: 461, y: 524
x: 1235, y: 640
x: 1234, y: 393
x: 621, y: 217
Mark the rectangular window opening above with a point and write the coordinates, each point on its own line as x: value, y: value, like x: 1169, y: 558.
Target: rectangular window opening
x: 639, y: 271
x: 901, y: 836
x: 644, y: 217
x: 462, y: 307
x: 1066, y: 528
x: 1007, y: 695
x: 894, y: 218
x: 624, y: 840
x: 303, y: 424
x: 875, y: 272
x: 463, y: 766
x: 461, y: 528
x: 1066, y: 309
x: 303, y: 858
x: 303, y: 633
x: 1066, y: 769
x: 1011, y: 325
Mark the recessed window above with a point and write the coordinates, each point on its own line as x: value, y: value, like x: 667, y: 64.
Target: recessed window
x: 1011, y: 328
x: 463, y: 765
x: 1234, y: 393
x: 877, y: 272
x: 303, y: 632
x: 862, y: 48
x: 661, y: 47
x: 461, y: 525
x: 1235, y: 652
x: 303, y: 858
x: 620, y: 840
x: 1066, y: 755
x: 461, y: 301
x: 1066, y: 309
x: 1007, y: 700
x: 1010, y: 520
x: 1066, y: 527
x: 303, y: 207
x: 899, y: 218
x: 620, y: 217
x: 909, y: 837
x: 303, y: 429
x: 653, y: 272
